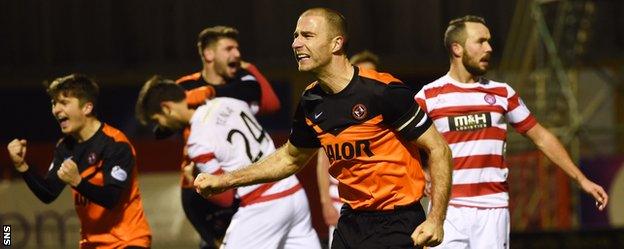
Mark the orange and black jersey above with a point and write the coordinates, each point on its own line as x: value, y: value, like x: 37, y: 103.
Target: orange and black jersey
x: 366, y: 130
x: 107, y: 200
x: 243, y: 86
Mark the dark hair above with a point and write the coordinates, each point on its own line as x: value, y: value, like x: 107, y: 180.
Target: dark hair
x: 212, y: 35
x: 337, y: 22
x: 74, y: 85
x: 365, y: 56
x: 456, y: 30
x: 155, y: 91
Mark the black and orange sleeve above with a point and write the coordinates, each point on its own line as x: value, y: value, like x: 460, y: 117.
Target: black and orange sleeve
x: 401, y: 112
x: 106, y: 196
x: 301, y: 134
x: 118, y: 164
x: 49, y: 188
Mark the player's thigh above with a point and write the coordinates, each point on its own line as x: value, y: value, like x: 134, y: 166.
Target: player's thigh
x: 457, y: 227
x: 494, y: 232
x: 260, y: 225
x: 301, y: 234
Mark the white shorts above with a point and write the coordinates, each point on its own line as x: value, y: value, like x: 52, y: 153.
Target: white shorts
x: 280, y: 223
x: 476, y: 228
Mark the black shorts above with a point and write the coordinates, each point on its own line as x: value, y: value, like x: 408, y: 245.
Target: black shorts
x: 377, y: 229
x: 208, y: 219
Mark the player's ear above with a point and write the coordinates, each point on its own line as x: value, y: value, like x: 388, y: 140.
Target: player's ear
x: 87, y: 108
x: 457, y: 50
x: 338, y: 43
x: 207, y: 54
x: 165, y: 107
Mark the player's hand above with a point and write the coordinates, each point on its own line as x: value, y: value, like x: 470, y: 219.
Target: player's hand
x: 187, y: 171
x: 428, y: 233
x: 244, y: 64
x: 17, y: 153
x: 330, y: 214
x: 207, y: 184
x: 595, y: 191
x: 68, y: 173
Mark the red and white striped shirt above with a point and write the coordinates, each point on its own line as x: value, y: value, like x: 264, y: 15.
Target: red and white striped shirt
x: 225, y: 136
x: 473, y: 118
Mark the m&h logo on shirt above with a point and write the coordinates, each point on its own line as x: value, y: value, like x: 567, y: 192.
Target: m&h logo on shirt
x: 470, y: 121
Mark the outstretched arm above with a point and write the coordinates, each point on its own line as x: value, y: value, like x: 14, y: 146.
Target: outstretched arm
x: 430, y: 232
x: 286, y: 161
x: 552, y: 148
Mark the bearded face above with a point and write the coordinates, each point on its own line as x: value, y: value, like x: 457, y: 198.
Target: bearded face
x: 477, y: 49
x: 477, y: 66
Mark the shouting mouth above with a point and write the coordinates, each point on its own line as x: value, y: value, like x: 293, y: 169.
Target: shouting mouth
x: 234, y: 64
x: 301, y: 57
x: 63, y: 121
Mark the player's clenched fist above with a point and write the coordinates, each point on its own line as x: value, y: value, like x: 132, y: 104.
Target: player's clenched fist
x: 68, y: 173
x: 208, y: 184
x: 428, y: 234
x: 17, y: 152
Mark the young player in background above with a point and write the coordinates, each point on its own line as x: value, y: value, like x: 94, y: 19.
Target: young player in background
x: 97, y: 161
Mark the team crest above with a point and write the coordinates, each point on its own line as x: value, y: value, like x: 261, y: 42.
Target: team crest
x: 359, y: 111
x: 92, y: 158
x: 490, y: 99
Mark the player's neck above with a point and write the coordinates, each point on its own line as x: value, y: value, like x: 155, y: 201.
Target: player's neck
x: 187, y: 115
x: 459, y: 73
x: 91, y: 126
x: 210, y: 76
x: 335, y: 76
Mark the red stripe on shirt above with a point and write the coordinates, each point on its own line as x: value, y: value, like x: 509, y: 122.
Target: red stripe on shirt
x: 514, y: 101
x: 450, y: 88
x: 478, y: 189
x: 452, y: 137
x: 525, y: 125
x: 480, y: 161
x: 463, y: 110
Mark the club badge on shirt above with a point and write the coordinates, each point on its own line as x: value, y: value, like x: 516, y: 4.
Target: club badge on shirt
x: 359, y: 111
x: 490, y: 99
x: 92, y: 158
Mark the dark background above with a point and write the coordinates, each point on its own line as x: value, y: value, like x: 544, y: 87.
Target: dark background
x: 123, y: 43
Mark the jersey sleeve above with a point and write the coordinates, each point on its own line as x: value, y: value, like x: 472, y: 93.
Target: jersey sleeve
x: 301, y: 134
x: 518, y: 113
x: 269, y: 102
x: 118, y: 163
x: 245, y: 87
x: 420, y: 98
x: 203, y: 153
x: 402, y: 113
x: 49, y: 188
x: 198, y: 96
